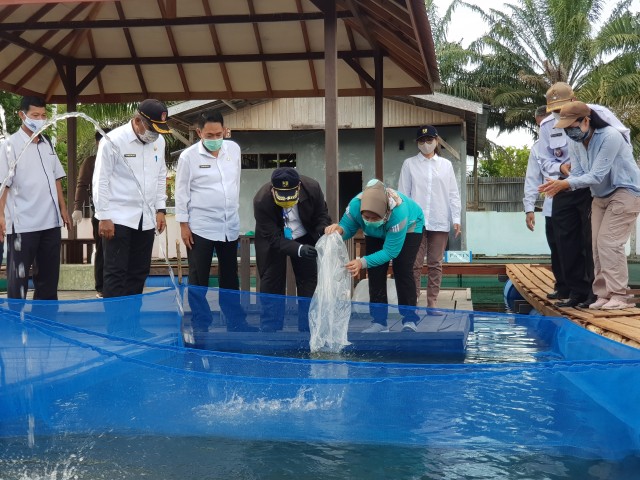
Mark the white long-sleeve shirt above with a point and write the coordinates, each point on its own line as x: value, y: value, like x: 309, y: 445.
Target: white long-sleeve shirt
x: 533, y: 179
x: 115, y: 194
x: 431, y: 182
x: 208, y: 191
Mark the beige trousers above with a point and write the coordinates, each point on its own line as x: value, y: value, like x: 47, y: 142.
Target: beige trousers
x: 433, y: 245
x: 612, y: 219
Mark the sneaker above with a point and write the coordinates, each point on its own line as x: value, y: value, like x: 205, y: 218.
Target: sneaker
x: 376, y: 328
x: 617, y: 304
x: 597, y: 305
x: 409, y: 327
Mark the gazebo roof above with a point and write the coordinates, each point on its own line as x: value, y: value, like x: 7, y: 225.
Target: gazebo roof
x: 118, y: 51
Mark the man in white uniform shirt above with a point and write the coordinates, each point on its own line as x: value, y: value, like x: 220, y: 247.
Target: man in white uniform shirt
x: 430, y: 180
x: 129, y: 194
x: 207, y: 205
x: 35, y: 207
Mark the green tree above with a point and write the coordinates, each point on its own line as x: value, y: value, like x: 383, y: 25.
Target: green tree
x: 531, y: 44
x: 504, y: 162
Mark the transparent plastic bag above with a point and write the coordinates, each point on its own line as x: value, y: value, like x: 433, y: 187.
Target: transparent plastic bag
x: 330, y: 309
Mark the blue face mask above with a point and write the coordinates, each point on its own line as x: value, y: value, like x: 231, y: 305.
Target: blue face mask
x: 376, y: 224
x: 575, y: 134
x: 212, y: 145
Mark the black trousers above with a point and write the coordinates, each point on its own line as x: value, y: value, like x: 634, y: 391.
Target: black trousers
x: 98, y: 266
x: 199, y: 257
x: 403, y: 275
x: 127, y: 261
x: 556, y: 266
x: 39, y: 251
x: 273, y: 279
x: 571, y: 216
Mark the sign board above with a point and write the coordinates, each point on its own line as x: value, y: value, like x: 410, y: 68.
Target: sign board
x: 458, y: 256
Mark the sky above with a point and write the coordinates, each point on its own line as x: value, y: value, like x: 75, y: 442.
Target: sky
x: 469, y: 26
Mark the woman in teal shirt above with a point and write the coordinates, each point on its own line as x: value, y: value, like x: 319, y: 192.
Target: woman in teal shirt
x: 392, y: 224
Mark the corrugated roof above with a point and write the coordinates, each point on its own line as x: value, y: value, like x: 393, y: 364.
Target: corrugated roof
x: 118, y: 51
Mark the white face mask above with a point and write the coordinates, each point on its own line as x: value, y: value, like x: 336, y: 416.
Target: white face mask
x: 149, y: 136
x: 427, y: 148
x: 33, y: 124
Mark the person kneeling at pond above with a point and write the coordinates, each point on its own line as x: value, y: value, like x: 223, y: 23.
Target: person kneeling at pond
x: 392, y: 224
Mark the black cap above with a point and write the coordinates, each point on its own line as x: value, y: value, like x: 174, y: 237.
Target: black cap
x: 426, y: 131
x: 156, y: 113
x: 285, y: 181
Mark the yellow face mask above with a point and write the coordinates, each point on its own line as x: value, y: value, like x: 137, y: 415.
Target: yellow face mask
x: 290, y: 204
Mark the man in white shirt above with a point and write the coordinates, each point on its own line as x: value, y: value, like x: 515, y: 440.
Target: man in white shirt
x: 129, y: 194
x: 35, y: 206
x: 207, y: 208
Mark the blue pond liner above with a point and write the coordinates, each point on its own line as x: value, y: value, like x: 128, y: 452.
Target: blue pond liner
x: 119, y: 366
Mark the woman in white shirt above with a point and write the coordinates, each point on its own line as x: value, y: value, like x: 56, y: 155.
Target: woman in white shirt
x: 429, y: 179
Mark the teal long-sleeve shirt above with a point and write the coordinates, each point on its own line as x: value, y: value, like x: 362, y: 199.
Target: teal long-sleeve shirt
x: 406, y: 217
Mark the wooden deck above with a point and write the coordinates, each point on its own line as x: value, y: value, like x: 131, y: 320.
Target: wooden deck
x: 535, y: 281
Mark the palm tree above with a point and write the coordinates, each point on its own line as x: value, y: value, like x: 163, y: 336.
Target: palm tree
x: 532, y: 44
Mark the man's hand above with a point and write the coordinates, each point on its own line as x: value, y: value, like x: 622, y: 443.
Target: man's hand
x: 565, y: 169
x: 185, y: 234
x: 333, y: 228
x: 354, y: 267
x: 161, y: 222
x: 552, y: 187
x: 76, y: 216
x: 65, y: 218
x: 307, y: 251
x: 106, y: 229
x: 531, y: 220
x: 457, y: 229
x: 3, y: 228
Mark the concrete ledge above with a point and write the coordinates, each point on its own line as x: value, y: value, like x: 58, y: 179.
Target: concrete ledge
x: 76, y: 277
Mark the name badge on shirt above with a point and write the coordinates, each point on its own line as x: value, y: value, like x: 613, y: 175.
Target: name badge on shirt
x: 288, y: 233
x: 205, y: 166
x: 129, y: 155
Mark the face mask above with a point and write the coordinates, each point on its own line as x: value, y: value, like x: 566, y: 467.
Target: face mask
x: 556, y: 116
x: 32, y: 124
x: 290, y: 204
x: 212, y: 145
x: 427, y: 148
x: 376, y: 224
x: 149, y: 137
x: 575, y: 134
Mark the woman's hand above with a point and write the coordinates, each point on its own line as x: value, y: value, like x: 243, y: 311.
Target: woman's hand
x: 354, y: 267
x: 333, y: 228
x: 553, y: 187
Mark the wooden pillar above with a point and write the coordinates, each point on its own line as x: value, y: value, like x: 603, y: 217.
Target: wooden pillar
x: 378, y: 117
x: 72, y: 143
x: 331, y: 108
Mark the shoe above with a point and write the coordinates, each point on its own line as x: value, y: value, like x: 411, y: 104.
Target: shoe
x: 617, y: 304
x: 409, y: 327
x: 588, y: 302
x: 99, y: 295
x: 376, y: 328
x: 597, y: 305
x: 568, y: 303
x: 556, y: 296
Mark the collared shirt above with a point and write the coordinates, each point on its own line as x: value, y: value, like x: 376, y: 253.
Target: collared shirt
x: 208, y: 191
x: 130, y: 179
x: 605, y: 165
x: 431, y: 183
x: 32, y: 199
x: 554, y: 143
x: 533, y: 179
x: 405, y: 216
x: 292, y: 220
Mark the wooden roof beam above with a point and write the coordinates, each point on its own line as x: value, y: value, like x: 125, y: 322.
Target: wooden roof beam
x: 167, y: 10
x: 218, y: 49
x: 307, y: 48
x: 132, y: 52
x: 33, y: 18
x: 352, y: 44
x: 256, y: 33
x: 169, y: 22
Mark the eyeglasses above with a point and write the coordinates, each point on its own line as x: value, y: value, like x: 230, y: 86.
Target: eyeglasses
x: 426, y: 140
